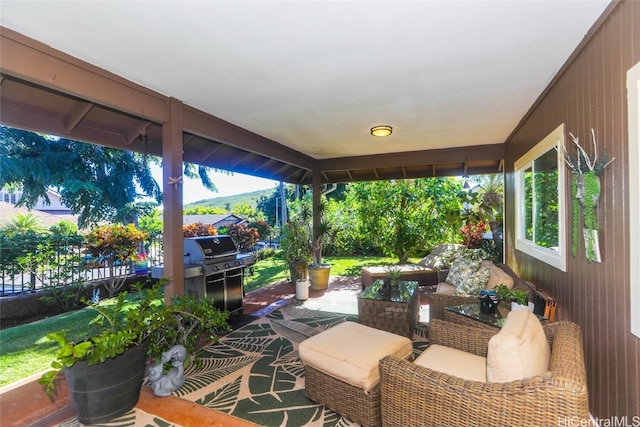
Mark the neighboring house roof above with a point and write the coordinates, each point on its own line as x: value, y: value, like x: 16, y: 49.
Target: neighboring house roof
x: 9, y: 211
x: 55, y: 204
x: 218, y: 220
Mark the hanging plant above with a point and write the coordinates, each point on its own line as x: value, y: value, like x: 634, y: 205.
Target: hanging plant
x: 591, y: 193
x: 576, y: 217
x: 585, y: 190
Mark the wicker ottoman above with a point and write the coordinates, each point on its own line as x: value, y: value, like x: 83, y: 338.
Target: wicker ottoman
x: 341, y: 368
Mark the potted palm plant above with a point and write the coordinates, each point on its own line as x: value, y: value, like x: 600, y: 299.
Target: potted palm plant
x: 296, y: 248
x: 105, y: 372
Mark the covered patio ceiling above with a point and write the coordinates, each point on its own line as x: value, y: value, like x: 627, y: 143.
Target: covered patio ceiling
x: 279, y: 89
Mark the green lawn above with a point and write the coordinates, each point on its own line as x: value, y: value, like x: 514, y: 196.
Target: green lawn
x: 25, y: 349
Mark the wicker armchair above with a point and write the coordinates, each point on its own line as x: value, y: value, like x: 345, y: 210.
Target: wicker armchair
x: 437, y: 303
x: 413, y: 395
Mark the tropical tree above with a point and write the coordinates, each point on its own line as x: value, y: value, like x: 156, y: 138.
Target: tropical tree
x: 96, y: 182
x: 490, y: 201
x: 203, y: 210
x: 151, y: 224
x: 247, y: 212
x: 406, y: 216
x: 22, y: 223
x: 269, y: 205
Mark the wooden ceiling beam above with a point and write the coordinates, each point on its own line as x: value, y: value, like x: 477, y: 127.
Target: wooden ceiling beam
x: 35, y: 62
x: 416, y: 158
x: 266, y: 162
x: 76, y: 114
x: 187, y: 138
x: 216, y: 129
x: 138, y: 132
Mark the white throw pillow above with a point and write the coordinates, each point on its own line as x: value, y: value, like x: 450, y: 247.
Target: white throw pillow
x: 520, y: 350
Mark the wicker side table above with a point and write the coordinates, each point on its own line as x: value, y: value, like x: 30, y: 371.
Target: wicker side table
x: 397, y: 313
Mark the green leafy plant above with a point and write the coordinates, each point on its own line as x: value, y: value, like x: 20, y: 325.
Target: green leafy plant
x: 575, y: 223
x: 119, y: 327
x: 518, y: 296
x: 188, y: 322
x: 296, y: 246
x: 591, y: 193
x: 393, y: 274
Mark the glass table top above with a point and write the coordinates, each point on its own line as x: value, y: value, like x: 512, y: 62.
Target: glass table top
x: 496, y: 319
x: 402, y: 293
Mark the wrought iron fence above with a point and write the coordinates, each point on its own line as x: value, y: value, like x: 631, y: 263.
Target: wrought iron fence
x: 33, y: 267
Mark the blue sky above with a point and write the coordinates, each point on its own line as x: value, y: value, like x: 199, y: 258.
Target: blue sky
x: 228, y: 185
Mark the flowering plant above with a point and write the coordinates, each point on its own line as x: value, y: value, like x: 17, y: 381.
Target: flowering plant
x: 472, y: 234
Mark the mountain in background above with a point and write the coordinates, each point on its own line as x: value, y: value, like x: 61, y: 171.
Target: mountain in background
x: 250, y: 199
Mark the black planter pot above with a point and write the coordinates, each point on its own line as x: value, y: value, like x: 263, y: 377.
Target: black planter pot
x: 107, y: 390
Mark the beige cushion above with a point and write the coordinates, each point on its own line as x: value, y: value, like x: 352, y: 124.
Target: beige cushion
x: 497, y: 276
x: 520, y: 350
x: 431, y: 261
x: 441, y: 256
x: 454, y: 362
x: 445, y: 288
x: 351, y: 352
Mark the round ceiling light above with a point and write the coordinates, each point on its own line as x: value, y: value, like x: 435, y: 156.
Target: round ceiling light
x: 381, y: 130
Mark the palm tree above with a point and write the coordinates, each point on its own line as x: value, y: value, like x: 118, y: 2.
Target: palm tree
x: 491, y: 196
x: 22, y: 224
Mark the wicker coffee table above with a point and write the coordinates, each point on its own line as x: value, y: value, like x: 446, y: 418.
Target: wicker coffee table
x: 397, y: 313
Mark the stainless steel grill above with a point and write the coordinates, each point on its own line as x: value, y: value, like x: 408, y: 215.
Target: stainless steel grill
x: 214, y: 268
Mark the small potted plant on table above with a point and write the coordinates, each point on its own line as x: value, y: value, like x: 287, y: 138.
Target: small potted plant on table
x: 516, y: 298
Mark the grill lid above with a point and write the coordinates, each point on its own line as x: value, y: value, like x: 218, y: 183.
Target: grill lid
x: 209, y: 249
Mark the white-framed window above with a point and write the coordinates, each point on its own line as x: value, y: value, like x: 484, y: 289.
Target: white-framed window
x: 541, y: 200
x: 633, y: 108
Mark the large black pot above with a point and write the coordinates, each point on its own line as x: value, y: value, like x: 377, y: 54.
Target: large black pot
x: 107, y: 390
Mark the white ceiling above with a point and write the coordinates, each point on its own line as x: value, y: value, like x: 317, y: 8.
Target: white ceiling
x: 316, y: 75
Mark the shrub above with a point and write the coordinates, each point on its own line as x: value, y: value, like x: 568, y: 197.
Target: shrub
x: 244, y: 237
x: 116, y: 244
x: 196, y: 229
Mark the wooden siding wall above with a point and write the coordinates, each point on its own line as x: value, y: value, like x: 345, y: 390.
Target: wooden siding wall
x: 590, y: 93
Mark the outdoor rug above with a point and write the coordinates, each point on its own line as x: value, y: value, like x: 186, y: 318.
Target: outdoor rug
x: 254, y: 373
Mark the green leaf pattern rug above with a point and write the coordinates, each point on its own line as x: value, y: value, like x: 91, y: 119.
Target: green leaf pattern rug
x: 254, y: 373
